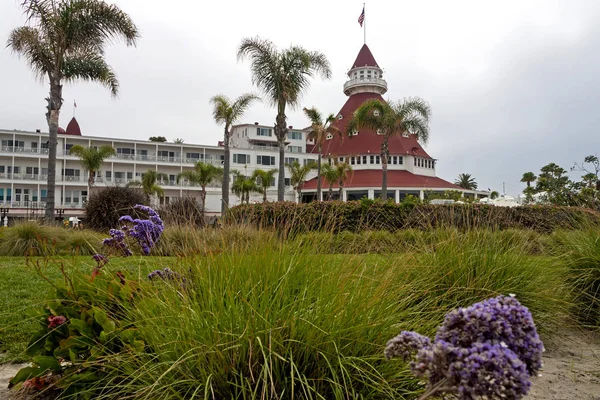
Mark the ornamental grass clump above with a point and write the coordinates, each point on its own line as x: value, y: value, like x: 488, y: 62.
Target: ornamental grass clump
x: 490, y: 349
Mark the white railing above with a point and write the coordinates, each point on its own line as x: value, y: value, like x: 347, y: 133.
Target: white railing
x: 352, y: 83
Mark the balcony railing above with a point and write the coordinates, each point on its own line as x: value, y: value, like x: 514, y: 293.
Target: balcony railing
x: 352, y: 83
x: 23, y: 150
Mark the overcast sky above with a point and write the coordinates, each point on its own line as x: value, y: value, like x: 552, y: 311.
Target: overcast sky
x: 513, y: 84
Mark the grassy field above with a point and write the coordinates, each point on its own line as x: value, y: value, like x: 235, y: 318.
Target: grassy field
x: 310, y: 315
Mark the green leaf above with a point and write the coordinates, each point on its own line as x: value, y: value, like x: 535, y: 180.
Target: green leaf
x: 81, y: 326
x: 26, y: 373
x: 102, y: 319
x: 47, y: 363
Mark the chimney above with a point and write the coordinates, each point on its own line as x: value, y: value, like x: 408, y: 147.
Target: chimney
x: 256, y: 123
x: 291, y: 127
x: 37, y: 131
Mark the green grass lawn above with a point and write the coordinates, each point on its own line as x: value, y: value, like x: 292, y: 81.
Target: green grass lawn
x: 22, y: 288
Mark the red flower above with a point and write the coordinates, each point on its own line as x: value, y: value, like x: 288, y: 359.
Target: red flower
x: 53, y: 321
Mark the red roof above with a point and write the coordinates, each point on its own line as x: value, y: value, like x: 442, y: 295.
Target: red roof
x: 73, y: 128
x: 365, y: 57
x: 370, y: 178
x: 367, y: 141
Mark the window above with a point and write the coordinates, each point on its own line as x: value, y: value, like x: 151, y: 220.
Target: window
x: 108, y: 175
x: 17, y: 194
x: 130, y: 175
x: 358, y: 160
x: 308, y: 161
x: 287, y: 182
x: 264, y: 132
x: 364, y: 159
x: 70, y: 172
x: 295, y: 135
x: 32, y: 170
x: 194, y: 156
x: 352, y: 160
x: 34, y: 145
x: 68, y: 147
x: 291, y: 160
x: 1, y: 194
x: 394, y: 160
x: 380, y: 132
x: 377, y: 160
x: 241, y: 158
x: 8, y: 195
x: 329, y: 136
x: 1, y: 169
x: 400, y: 160
x: 125, y: 150
x: 372, y: 160
x: 415, y: 160
x: 44, y: 145
x: 43, y: 194
x: 295, y: 149
x: 354, y: 133
x: 16, y: 170
x: 340, y: 116
x: 341, y: 159
x: 265, y: 160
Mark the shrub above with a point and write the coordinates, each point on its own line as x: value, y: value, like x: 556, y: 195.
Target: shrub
x: 355, y: 216
x: 107, y: 205
x: 183, y: 211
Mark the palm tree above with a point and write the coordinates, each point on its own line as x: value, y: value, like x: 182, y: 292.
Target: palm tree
x: 389, y: 119
x: 282, y: 75
x: 331, y: 175
x: 149, y: 183
x: 243, y: 185
x: 528, y: 177
x: 298, y: 174
x: 494, y: 195
x: 319, y: 131
x: 227, y: 112
x: 65, y: 41
x: 203, y: 174
x: 342, y: 174
x: 263, y: 180
x: 466, y: 181
x: 92, y: 158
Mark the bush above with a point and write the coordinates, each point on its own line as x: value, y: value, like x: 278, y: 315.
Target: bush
x: 355, y: 216
x: 107, y: 205
x: 183, y: 211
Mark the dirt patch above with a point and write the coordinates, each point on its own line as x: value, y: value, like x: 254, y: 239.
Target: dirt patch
x: 571, y: 369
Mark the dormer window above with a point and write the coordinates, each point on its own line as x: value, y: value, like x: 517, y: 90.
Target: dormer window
x: 329, y: 136
x: 354, y: 133
x: 380, y: 132
x: 405, y: 134
x: 340, y: 116
x: 376, y: 113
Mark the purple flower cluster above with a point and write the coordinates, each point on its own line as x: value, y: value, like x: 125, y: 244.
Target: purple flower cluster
x: 490, y: 349
x: 169, y: 275
x: 146, y: 232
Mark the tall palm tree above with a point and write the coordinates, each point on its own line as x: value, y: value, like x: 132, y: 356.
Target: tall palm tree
x: 92, y: 158
x: 342, y: 169
x: 298, y: 174
x: 466, y: 181
x: 202, y: 175
x: 65, y: 41
x: 227, y: 112
x: 282, y: 75
x: 319, y: 130
x: 389, y: 119
x: 149, y: 183
x: 331, y: 175
x: 528, y: 177
x: 243, y: 185
x: 263, y: 180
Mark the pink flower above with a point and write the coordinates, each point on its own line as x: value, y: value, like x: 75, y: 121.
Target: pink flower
x: 53, y: 321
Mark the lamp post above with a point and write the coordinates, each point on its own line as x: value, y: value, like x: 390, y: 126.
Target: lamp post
x: 4, y: 212
x: 60, y: 212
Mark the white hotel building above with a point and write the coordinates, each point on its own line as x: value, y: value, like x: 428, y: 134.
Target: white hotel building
x: 24, y: 159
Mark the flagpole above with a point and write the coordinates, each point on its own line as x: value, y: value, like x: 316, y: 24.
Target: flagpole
x: 365, y: 24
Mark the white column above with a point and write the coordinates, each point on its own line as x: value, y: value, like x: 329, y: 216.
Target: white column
x: 421, y: 195
x: 397, y: 196
x: 372, y: 194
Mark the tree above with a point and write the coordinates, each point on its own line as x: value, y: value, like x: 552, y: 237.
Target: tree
x: 178, y: 141
x: 409, y: 116
x: 227, y: 112
x: 263, y: 180
x: 494, y: 195
x: 92, y: 158
x: 466, y: 181
x: 202, y: 175
x: 65, y: 41
x: 160, y: 139
x: 554, y: 185
x: 528, y: 177
x: 342, y: 169
x: 319, y: 130
x: 149, y: 183
x: 243, y: 185
x: 282, y: 75
x: 331, y: 175
x: 298, y: 174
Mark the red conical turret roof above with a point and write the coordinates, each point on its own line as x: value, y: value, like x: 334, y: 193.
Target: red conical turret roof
x: 73, y: 128
x: 365, y: 57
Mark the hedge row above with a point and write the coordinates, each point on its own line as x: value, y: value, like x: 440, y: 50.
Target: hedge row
x: 355, y: 216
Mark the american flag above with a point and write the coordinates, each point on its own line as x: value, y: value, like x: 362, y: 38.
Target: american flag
x: 361, y: 19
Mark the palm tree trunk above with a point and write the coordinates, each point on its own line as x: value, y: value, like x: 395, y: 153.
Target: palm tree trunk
x: 341, y: 183
x: 319, y: 175
x: 330, y: 194
x: 264, y: 195
x: 299, y: 195
x: 385, y: 151
x: 528, y: 183
x: 280, y: 133
x: 54, y: 104
x: 203, y: 200
x: 226, y: 172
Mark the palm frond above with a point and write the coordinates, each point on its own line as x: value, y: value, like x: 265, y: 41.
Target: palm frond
x: 90, y: 67
x: 313, y: 115
x: 27, y: 42
x: 221, y: 109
